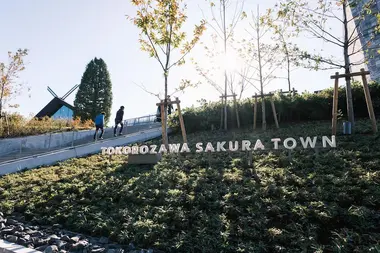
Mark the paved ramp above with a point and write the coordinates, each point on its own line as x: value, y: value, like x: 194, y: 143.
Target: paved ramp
x: 52, y: 157
x: 35, y: 149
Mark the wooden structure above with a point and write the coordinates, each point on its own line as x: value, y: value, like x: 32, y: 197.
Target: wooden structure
x: 270, y: 95
x: 367, y: 94
x: 163, y: 120
x: 236, y: 110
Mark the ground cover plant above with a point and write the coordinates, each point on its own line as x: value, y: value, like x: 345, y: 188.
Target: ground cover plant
x: 19, y: 125
x: 316, y: 202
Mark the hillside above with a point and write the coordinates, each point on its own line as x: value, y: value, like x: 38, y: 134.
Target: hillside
x: 314, y: 202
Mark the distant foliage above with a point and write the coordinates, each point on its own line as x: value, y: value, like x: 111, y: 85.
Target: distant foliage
x: 22, y: 126
x: 95, y: 92
x: 301, y: 108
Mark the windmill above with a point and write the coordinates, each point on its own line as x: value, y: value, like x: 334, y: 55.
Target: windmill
x: 57, y: 108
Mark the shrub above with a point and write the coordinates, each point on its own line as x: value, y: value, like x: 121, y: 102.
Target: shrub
x: 19, y: 125
x: 300, y: 108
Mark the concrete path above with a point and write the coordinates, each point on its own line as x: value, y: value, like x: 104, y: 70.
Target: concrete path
x: 53, y: 157
x: 108, y: 133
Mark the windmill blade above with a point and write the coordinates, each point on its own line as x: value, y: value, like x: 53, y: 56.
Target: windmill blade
x: 70, y: 91
x: 51, y: 92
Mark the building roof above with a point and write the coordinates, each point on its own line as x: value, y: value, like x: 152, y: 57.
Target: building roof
x: 52, y: 107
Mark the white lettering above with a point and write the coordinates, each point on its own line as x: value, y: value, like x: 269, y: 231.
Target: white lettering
x: 276, y: 141
x: 331, y: 142
x: 111, y: 150
x: 209, y: 147
x: 174, y: 148
x: 144, y: 149
x: 185, y: 148
x: 236, y: 146
x: 259, y: 145
x: 245, y: 145
x: 220, y: 146
x: 118, y: 150
x: 104, y: 150
x: 286, y: 145
x: 162, y: 149
x: 135, y: 150
x: 153, y: 149
x: 199, y: 147
x: 126, y: 150
x: 308, y: 142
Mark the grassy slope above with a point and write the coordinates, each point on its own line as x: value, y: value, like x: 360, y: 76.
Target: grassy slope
x: 204, y: 203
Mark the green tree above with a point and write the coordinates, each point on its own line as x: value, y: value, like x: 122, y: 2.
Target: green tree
x: 160, y: 23
x: 95, y: 92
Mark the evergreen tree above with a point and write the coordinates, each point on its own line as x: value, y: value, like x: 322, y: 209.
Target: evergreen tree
x: 95, y: 92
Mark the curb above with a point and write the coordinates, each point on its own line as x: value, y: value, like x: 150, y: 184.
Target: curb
x: 8, y: 247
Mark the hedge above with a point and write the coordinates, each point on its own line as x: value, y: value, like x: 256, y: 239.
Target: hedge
x: 300, y: 108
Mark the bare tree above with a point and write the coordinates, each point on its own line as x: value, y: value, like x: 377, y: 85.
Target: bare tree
x: 261, y: 59
x: 223, y: 32
x: 314, y: 20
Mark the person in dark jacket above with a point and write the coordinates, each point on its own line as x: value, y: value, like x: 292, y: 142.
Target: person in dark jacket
x: 99, y: 124
x: 170, y: 106
x: 119, y: 120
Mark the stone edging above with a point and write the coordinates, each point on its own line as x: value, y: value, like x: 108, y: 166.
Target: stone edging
x: 54, y: 239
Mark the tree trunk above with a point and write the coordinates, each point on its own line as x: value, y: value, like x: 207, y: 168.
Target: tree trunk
x: 224, y: 63
x: 350, y: 106
x: 260, y: 70
x: 166, y: 142
x: 263, y: 113
x: 288, y: 66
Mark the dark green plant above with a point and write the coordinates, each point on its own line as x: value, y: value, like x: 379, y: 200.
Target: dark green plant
x: 95, y: 92
x: 300, y: 108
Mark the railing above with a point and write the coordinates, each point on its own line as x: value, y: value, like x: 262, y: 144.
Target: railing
x: 148, y: 119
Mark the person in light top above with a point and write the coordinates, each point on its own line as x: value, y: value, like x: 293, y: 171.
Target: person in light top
x: 99, y: 124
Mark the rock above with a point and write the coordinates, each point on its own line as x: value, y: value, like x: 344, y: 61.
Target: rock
x: 111, y: 251
x: 112, y: 246
x: 1, y: 214
x: 27, y: 237
x: 3, y: 220
x: 66, y: 238
x: 30, y: 246
x: 42, y: 248
x: 119, y: 251
x: 98, y: 250
x: 7, y: 231
x: 12, y: 222
x: 103, y: 240
x: 2, y: 226
x: 39, y: 241
x: 79, y: 245
x: 75, y: 239
x: 12, y: 238
x: 60, y: 244
x: 19, y: 228
x: 22, y: 241
x: 37, y: 234
x: 51, y: 249
x: 19, y: 234
x: 150, y: 251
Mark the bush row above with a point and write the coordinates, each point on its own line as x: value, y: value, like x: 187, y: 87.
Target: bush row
x: 300, y: 108
x: 17, y: 125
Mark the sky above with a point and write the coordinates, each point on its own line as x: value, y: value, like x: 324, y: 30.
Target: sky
x: 63, y: 37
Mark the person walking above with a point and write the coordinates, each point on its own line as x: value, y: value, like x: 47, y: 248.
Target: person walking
x: 119, y: 120
x: 99, y: 124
